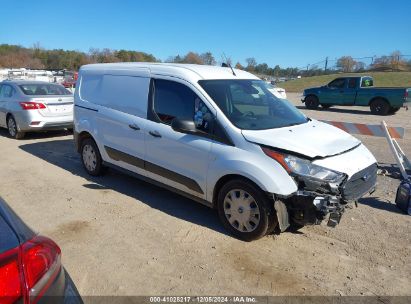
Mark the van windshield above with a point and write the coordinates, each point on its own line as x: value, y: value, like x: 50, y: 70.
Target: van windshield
x: 249, y: 105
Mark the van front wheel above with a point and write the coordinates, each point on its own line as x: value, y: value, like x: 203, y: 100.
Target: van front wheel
x: 245, y: 210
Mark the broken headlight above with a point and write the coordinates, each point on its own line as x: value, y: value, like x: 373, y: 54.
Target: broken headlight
x: 302, y: 167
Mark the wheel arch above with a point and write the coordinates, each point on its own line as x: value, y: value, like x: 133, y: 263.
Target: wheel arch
x: 227, y: 178
x: 80, y: 137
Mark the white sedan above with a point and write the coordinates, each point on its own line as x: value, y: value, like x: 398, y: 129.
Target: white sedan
x: 278, y: 92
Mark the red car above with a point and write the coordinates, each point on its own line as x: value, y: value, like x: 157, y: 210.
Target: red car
x: 30, y: 265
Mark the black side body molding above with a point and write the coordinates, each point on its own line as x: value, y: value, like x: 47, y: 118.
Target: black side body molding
x: 86, y: 108
x: 153, y: 168
x: 159, y: 184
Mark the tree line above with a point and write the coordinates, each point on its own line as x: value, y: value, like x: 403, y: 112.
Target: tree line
x: 36, y: 57
x: 14, y: 56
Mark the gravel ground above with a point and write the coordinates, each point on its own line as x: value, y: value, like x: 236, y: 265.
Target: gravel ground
x: 121, y: 236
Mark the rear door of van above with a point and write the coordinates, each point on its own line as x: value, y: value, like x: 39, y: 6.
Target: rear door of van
x: 120, y: 100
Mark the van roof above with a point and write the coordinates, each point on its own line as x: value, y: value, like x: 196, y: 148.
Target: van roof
x: 191, y: 72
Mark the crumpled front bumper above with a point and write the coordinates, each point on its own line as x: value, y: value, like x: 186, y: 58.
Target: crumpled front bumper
x: 316, y: 201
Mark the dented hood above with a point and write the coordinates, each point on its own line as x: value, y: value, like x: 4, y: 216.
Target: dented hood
x: 313, y: 139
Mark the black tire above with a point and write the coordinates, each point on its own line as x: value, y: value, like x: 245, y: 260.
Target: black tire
x: 394, y: 110
x: 266, y: 215
x: 325, y: 106
x: 91, y: 158
x: 13, y: 129
x: 312, y: 102
x: 379, y: 107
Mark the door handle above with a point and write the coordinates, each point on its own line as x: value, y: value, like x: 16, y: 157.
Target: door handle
x: 134, y: 127
x: 154, y: 133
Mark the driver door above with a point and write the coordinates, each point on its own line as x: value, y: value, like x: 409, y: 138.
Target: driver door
x: 176, y: 159
x: 333, y: 93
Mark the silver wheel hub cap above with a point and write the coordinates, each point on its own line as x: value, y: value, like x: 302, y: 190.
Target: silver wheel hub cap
x: 89, y: 157
x: 241, y: 210
x: 12, y: 127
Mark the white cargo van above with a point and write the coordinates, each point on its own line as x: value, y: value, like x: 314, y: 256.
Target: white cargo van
x: 220, y: 137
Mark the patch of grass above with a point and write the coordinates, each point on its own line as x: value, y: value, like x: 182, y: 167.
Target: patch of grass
x: 381, y: 79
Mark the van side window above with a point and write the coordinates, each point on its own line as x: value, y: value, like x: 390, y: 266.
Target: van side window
x: 90, y: 88
x: 128, y: 94
x: 175, y: 100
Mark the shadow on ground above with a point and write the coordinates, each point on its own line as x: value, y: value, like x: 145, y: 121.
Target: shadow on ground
x: 391, y: 170
x: 62, y: 153
x: 38, y: 135
x: 377, y: 203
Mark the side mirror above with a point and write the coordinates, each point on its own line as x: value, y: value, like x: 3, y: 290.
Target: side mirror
x: 183, y: 126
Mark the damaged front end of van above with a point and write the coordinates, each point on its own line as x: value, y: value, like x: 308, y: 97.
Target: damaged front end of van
x: 323, y: 194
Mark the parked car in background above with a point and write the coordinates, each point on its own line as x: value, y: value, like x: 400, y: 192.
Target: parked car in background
x: 277, y: 92
x: 218, y: 136
x: 70, y: 79
x: 30, y: 265
x: 357, y: 91
x: 27, y: 106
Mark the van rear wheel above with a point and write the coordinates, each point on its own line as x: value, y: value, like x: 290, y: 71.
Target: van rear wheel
x: 245, y: 210
x: 91, y: 158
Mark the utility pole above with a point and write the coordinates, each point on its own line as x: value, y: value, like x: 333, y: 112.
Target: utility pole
x: 326, y: 64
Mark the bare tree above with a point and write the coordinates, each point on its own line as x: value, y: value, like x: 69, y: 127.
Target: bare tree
x: 208, y: 58
x: 346, y: 64
x: 193, y: 58
x: 397, y: 63
x: 239, y: 66
x: 359, y: 66
x: 251, y: 64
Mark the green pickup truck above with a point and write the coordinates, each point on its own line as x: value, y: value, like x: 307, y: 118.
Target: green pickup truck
x: 357, y: 91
